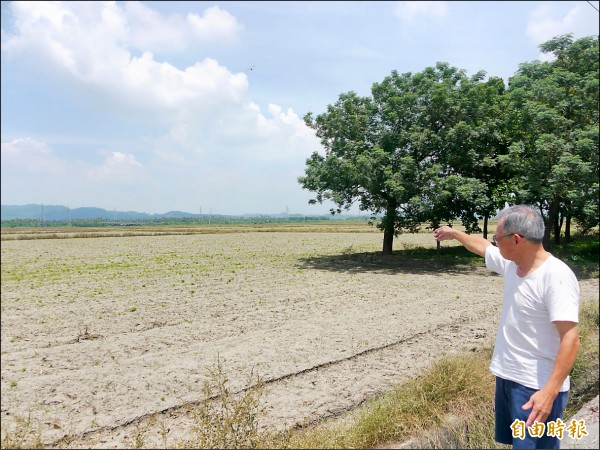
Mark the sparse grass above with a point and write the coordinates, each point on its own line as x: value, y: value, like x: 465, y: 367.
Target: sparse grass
x: 584, y: 377
x: 333, y: 226
x: 450, y: 387
x: 228, y: 419
x: 21, y: 432
x: 581, y: 254
x: 453, y: 254
x: 459, y: 388
x: 451, y: 404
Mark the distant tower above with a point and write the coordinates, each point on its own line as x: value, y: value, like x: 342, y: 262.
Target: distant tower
x: 287, y: 210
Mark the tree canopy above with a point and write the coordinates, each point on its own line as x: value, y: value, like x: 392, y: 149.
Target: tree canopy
x: 554, y: 120
x: 438, y: 146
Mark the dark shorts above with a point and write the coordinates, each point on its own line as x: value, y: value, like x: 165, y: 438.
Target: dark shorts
x: 510, y: 397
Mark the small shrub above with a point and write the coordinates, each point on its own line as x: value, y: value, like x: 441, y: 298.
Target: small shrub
x: 227, y: 419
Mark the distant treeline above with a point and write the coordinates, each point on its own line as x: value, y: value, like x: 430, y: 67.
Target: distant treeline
x: 217, y: 220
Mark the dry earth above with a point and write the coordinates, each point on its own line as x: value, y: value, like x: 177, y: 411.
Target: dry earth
x: 99, y: 334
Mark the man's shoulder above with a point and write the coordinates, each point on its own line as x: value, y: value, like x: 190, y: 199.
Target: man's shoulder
x: 493, y: 251
x: 555, y: 263
x: 558, y: 270
x: 495, y: 262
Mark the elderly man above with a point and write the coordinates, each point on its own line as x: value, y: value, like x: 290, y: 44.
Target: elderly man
x: 537, y: 339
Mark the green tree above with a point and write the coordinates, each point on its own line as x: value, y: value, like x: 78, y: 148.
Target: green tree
x: 479, y: 141
x: 554, y: 126
x: 469, y: 183
x: 389, y: 152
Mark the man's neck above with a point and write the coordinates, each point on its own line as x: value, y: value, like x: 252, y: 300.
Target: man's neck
x: 531, y: 260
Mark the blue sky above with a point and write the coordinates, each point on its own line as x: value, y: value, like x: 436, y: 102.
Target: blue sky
x: 198, y: 106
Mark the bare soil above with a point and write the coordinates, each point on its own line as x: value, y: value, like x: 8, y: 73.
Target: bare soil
x: 102, y: 336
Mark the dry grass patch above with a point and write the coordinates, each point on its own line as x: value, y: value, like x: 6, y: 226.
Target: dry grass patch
x: 21, y: 432
x: 449, y: 406
x: 448, y: 388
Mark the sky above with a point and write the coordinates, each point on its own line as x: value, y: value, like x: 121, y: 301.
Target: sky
x: 198, y: 106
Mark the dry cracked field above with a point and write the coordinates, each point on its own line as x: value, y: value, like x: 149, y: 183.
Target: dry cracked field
x: 100, y: 334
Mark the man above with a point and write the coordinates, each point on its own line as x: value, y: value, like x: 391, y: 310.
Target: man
x: 537, y: 339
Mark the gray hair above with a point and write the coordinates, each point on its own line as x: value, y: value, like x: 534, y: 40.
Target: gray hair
x: 523, y: 220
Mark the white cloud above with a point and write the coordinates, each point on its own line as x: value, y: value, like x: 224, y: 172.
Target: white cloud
x: 546, y: 22
x: 408, y: 11
x: 206, y: 135
x: 87, y: 42
x: 128, y: 24
x: 199, y: 89
x: 90, y: 42
x: 178, y: 147
x: 33, y: 172
x: 117, y: 167
x: 30, y: 156
x: 215, y: 24
x: 148, y: 30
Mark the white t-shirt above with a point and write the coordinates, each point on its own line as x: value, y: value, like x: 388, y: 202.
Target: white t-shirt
x: 527, y: 341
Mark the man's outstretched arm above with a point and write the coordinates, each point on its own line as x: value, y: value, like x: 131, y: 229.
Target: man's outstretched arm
x: 474, y: 244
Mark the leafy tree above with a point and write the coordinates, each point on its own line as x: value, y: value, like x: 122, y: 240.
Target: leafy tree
x: 469, y: 183
x: 479, y: 141
x: 554, y: 126
x: 390, y: 152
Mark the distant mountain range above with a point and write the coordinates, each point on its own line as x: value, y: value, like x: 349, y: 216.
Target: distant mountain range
x: 59, y: 212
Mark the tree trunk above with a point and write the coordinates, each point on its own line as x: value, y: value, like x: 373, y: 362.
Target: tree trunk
x: 568, y: 229
x: 557, y: 226
x: 388, y: 239
x: 486, y: 218
x: 388, y: 230
x: 561, y: 221
x: 552, y: 224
